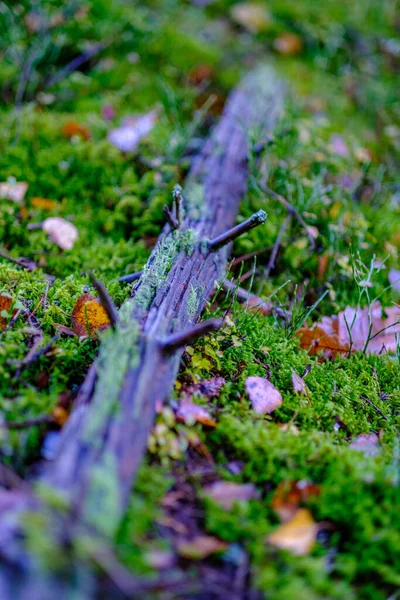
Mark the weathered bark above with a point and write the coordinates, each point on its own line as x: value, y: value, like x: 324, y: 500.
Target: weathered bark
x: 103, y: 443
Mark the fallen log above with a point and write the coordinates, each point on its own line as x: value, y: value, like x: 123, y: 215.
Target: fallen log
x: 103, y: 442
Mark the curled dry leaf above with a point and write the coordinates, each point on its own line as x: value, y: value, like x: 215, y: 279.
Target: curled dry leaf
x: 188, y: 412
x: 289, y: 494
x: 13, y: 190
x: 264, y: 396
x: 200, y: 547
x: 72, y: 129
x: 226, y: 493
x: 254, y: 17
x: 61, y: 232
x: 128, y: 136
x: 353, y: 329
x: 89, y: 316
x: 297, y: 535
x: 368, y: 443
x: 299, y: 385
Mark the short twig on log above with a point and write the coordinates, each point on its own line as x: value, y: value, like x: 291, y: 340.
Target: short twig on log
x: 131, y: 277
x: 173, y: 223
x: 178, y: 340
x: 221, y: 240
x: 106, y: 301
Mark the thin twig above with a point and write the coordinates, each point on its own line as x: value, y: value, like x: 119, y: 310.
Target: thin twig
x: 275, y: 249
x: 177, y: 340
x: 106, y: 300
x: 21, y: 262
x: 75, y: 63
x: 228, y: 236
x: 44, y: 420
x: 173, y: 222
x: 131, y: 277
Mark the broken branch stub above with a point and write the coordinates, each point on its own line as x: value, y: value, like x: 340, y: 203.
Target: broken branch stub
x: 103, y: 443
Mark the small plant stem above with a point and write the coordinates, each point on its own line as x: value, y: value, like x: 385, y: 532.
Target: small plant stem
x: 106, y: 301
x: 131, y: 277
x: 173, y: 223
x: 177, y: 340
x: 44, y: 420
x: 221, y: 240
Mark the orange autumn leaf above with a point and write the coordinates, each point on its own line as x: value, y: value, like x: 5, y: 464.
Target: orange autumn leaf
x: 73, y: 128
x: 353, y: 329
x: 89, y: 316
x: 289, y: 494
x: 60, y: 415
x: 5, y: 304
x: 43, y: 203
x: 297, y: 535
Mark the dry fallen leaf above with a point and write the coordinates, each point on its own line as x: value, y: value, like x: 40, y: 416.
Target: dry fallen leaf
x: 264, y: 396
x: 89, y: 316
x: 5, y: 304
x: 289, y: 494
x: 368, y: 443
x: 288, y: 44
x: 72, y: 129
x: 188, y: 412
x: 61, y: 232
x: 350, y: 331
x: 297, y: 535
x: 252, y: 16
x: 200, y: 547
x: 13, y: 190
x: 226, y: 493
x: 43, y: 203
x: 128, y: 136
x: 299, y: 385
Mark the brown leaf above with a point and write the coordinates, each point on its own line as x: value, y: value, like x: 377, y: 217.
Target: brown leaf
x: 188, y: 412
x: 200, y: 547
x: 13, y: 190
x: 368, y: 443
x: 226, y: 493
x: 89, y: 316
x: 289, y: 494
x: 43, y: 203
x: 297, y: 535
x: 61, y: 232
x: 264, y: 396
x: 350, y: 331
x: 5, y: 304
x: 63, y: 330
x: 74, y: 129
x: 288, y: 44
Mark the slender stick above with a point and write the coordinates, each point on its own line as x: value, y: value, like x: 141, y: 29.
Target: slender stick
x: 173, y: 222
x: 177, y: 340
x: 106, y: 301
x: 221, y: 240
x: 131, y: 277
x: 275, y: 249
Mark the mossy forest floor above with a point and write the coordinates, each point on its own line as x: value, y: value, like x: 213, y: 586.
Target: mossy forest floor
x: 333, y: 156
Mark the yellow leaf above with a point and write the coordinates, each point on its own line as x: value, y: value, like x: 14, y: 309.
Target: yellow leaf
x: 297, y: 535
x: 89, y: 316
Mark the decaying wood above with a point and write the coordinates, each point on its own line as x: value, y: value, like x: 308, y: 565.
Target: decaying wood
x: 103, y: 443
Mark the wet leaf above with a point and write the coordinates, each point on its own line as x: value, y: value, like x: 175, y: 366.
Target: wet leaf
x: 61, y: 232
x: 353, y: 329
x: 288, y: 44
x: 128, y: 136
x: 72, y: 129
x: 289, y: 494
x: 226, y: 493
x: 200, y: 547
x: 13, y: 190
x: 252, y: 16
x: 297, y: 535
x: 368, y: 443
x: 89, y: 316
x: 264, y: 396
x: 188, y: 412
